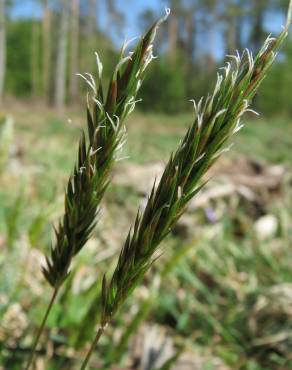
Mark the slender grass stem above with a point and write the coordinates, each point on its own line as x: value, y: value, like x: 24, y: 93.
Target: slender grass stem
x: 41, y: 329
x: 92, y: 347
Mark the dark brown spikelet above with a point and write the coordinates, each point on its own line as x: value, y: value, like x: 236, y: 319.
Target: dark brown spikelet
x: 97, y: 151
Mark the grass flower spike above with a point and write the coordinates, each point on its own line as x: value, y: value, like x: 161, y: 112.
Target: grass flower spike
x: 217, y: 119
x: 96, y: 154
x: 98, y: 149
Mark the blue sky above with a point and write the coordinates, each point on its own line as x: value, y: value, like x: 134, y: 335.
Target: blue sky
x: 131, y: 9
x: 31, y: 8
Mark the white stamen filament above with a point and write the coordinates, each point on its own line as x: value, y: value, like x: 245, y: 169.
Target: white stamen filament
x: 92, y: 80
x: 93, y: 152
x: 127, y: 43
x: 99, y: 65
x: 121, y: 62
x: 99, y: 104
x: 87, y: 81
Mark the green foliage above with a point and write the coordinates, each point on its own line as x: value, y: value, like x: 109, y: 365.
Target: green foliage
x: 101, y: 43
x: 187, y: 317
x: 6, y: 137
x: 171, y: 81
x: 18, y: 75
x: 12, y: 219
x: 165, y: 87
x: 275, y: 94
x: 269, y: 132
x: 235, y: 294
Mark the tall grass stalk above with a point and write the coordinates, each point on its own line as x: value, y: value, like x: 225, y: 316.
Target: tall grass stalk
x: 98, y: 149
x: 217, y: 119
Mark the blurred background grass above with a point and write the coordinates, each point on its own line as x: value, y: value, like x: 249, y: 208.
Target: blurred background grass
x: 221, y: 295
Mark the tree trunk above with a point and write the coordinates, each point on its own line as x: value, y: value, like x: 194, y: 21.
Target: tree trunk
x: 190, y: 31
x: 239, y: 26
x: 35, y: 62
x: 92, y: 20
x: 211, y: 31
x: 173, y: 30
x: 258, y: 34
x: 92, y: 23
x: 73, y: 88
x: 230, y: 36
x: 60, y: 77
x: 115, y: 19
x: 2, y: 48
x: 46, y: 63
x: 91, y: 33
x: 233, y: 17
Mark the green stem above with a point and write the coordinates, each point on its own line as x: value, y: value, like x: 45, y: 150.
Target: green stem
x: 93, y: 345
x: 41, y: 328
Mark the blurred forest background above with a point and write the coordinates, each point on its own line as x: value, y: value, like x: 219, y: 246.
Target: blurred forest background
x: 43, y: 48
x: 220, y: 296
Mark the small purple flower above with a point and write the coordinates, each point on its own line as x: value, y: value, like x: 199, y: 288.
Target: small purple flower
x: 210, y: 215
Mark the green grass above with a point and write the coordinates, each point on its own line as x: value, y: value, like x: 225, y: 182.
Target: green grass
x: 51, y: 140
x: 267, y: 139
x: 152, y: 138
x: 220, y: 279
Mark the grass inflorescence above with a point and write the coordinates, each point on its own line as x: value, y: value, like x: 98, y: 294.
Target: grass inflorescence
x: 96, y: 154
x: 217, y: 119
x: 98, y: 149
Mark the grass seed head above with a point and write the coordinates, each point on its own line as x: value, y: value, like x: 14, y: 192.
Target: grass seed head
x: 216, y: 119
x: 96, y: 153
